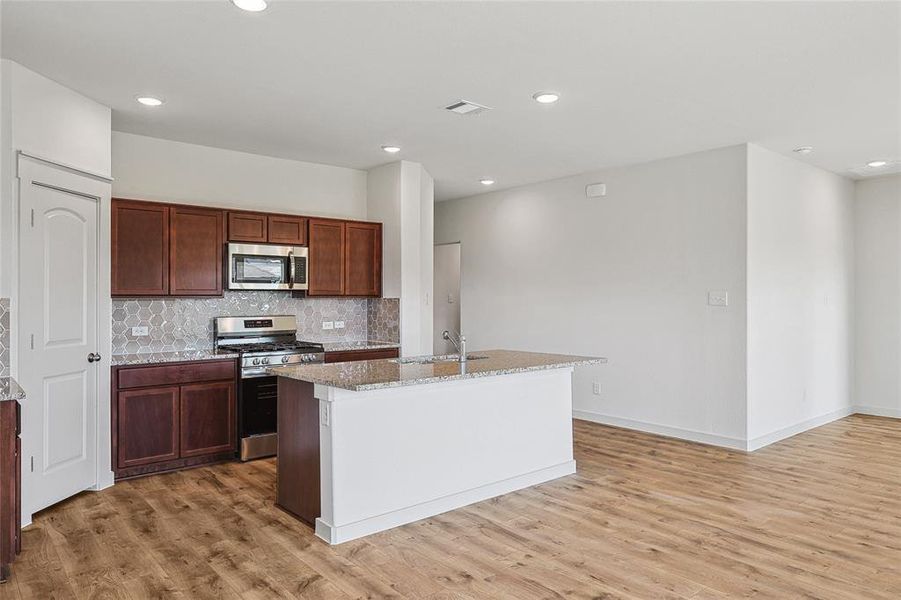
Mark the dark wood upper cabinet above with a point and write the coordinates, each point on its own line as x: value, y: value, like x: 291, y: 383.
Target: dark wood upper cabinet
x: 148, y: 426
x: 326, y: 257
x: 363, y: 259
x: 248, y: 227
x: 195, y: 251
x: 140, y: 248
x: 288, y: 230
x: 207, y: 418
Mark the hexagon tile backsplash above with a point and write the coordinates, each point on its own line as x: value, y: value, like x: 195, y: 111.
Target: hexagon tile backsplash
x: 4, y: 337
x: 176, y: 324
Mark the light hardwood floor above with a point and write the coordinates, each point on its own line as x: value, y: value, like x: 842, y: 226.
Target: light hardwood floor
x: 816, y: 516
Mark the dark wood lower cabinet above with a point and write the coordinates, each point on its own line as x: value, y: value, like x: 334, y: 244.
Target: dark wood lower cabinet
x: 207, y: 418
x: 298, y: 476
x: 351, y: 355
x: 10, y: 486
x: 171, y: 416
x: 148, y: 426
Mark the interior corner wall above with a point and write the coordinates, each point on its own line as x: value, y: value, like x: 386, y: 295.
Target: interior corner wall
x: 878, y: 296
x: 625, y: 276
x: 168, y: 171
x: 800, y: 296
x: 401, y: 196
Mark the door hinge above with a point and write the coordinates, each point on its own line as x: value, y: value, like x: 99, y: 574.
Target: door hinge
x: 32, y: 217
x: 32, y: 464
x: 32, y: 341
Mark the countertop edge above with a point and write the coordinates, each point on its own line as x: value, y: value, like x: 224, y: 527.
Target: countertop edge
x: 444, y: 378
x: 160, y: 358
x: 11, y: 390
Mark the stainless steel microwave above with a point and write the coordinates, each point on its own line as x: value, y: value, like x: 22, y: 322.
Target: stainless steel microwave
x: 262, y: 267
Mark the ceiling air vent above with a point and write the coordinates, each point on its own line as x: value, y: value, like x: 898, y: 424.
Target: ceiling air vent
x: 465, y: 107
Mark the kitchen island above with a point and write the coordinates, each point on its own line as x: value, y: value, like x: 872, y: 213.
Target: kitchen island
x: 371, y: 445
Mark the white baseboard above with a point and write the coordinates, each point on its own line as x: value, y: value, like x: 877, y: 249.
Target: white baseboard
x: 787, y: 432
x: 734, y: 443
x: 664, y: 430
x: 351, y: 531
x: 878, y: 411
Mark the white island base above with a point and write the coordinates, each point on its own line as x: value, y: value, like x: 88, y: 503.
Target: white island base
x: 396, y: 455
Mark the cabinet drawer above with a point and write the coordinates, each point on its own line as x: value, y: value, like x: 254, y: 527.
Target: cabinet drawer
x: 176, y: 373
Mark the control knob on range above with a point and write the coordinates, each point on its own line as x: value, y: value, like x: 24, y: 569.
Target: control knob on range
x: 256, y: 361
x: 285, y: 359
x: 265, y: 361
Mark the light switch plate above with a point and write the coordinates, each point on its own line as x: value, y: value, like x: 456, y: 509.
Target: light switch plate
x: 596, y: 388
x: 718, y: 298
x: 328, y: 325
x: 339, y: 324
x: 139, y: 331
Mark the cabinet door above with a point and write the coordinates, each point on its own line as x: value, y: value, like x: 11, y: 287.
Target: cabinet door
x: 207, y: 418
x: 247, y: 227
x: 287, y: 230
x: 196, y: 251
x: 326, y: 258
x: 140, y: 248
x: 363, y: 259
x: 147, y: 426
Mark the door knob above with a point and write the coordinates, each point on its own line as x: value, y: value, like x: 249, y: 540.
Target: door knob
x: 92, y: 357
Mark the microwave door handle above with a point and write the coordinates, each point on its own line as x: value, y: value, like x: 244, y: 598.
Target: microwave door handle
x: 291, y: 269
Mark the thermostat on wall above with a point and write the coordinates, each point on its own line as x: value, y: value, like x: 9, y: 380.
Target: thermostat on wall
x: 595, y: 190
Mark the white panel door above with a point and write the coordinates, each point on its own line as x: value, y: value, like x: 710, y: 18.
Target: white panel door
x: 58, y: 270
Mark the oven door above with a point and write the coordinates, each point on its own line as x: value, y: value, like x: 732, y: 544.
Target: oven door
x: 260, y: 267
x: 258, y: 417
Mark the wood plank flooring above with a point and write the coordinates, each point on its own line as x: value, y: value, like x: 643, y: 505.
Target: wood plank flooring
x: 816, y: 516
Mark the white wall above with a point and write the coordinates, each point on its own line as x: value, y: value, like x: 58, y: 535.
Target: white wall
x: 401, y: 196
x: 447, y: 296
x: 878, y: 296
x: 626, y: 277
x: 154, y: 169
x: 800, y: 295
x: 50, y: 121
x: 383, y: 201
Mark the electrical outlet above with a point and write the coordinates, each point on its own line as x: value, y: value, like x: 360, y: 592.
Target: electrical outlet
x: 328, y: 324
x: 339, y: 324
x: 139, y: 331
x: 323, y: 414
x: 596, y: 388
x: 718, y: 298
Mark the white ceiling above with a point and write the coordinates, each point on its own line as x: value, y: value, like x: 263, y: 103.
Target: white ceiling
x: 331, y: 82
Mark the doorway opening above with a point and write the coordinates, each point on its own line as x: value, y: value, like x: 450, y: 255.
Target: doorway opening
x: 447, y: 308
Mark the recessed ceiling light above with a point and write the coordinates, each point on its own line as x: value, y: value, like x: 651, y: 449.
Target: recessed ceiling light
x: 877, y: 163
x: 149, y: 101
x: 250, y: 5
x: 546, y: 97
x: 803, y: 149
x: 486, y: 181
x: 391, y: 149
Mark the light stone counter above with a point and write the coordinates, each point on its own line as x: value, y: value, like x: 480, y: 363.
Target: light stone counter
x: 150, y: 358
x: 10, y: 390
x: 350, y: 346
x: 389, y: 373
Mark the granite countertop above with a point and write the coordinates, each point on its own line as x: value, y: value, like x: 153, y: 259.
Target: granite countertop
x: 360, y: 345
x: 149, y: 358
x: 387, y: 373
x: 10, y: 390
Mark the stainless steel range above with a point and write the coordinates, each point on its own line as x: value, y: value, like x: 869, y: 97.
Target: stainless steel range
x: 262, y: 341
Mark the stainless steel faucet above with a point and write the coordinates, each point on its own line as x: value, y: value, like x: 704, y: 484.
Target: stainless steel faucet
x: 459, y: 342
